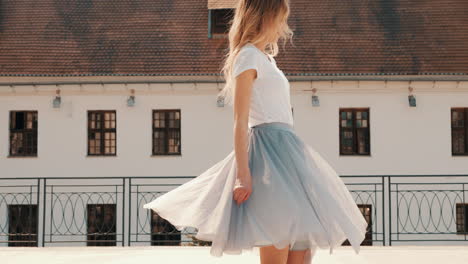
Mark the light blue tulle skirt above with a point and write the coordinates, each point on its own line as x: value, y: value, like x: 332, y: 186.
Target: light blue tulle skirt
x: 297, y: 199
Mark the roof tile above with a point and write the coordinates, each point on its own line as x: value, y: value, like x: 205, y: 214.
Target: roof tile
x: 71, y: 37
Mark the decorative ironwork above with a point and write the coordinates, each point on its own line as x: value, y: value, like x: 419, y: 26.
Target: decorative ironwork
x: 84, y: 210
x: 19, y: 203
x: 426, y: 211
x: 104, y: 211
x: 145, y: 224
x: 369, y: 195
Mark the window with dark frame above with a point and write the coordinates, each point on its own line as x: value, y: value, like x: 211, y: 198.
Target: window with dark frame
x: 459, y: 121
x: 366, y: 210
x: 22, y: 225
x: 462, y: 218
x: 102, y: 133
x: 354, y: 131
x: 163, y: 232
x: 23, y: 133
x: 166, y: 132
x: 219, y: 20
x: 101, y: 225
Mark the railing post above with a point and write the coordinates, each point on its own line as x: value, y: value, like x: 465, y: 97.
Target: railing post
x: 51, y: 210
x: 38, y: 211
x: 383, y: 210
x: 389, y: 210
x: 464, y: 212
x: 129, y: 210
x: 123, y: 211
x: 397, y: 208
x: 44, y: 210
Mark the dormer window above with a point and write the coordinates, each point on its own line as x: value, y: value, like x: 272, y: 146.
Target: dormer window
x: 219, y: 21
x: 219, y: 15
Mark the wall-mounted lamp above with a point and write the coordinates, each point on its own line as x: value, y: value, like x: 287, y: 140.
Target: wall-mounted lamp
x: 315, y: 99
x: 219, y: 98
x: 57, y: 100
x: 411, y: 98
x: 220, y: 101
x: 131, y: 98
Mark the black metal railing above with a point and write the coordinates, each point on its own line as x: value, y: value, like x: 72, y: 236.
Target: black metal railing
x: 424, y: 210
x: 106, y: 211
x: 145, y: 225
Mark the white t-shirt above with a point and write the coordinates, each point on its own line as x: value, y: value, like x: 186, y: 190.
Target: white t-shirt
x: 270, y: 98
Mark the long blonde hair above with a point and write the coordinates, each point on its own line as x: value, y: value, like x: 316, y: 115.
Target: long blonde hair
x: 252, y: 18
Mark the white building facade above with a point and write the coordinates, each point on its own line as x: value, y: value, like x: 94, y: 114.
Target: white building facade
x: 70, y: 196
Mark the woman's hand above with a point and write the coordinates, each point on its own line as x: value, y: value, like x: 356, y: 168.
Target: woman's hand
x: 242, y: 186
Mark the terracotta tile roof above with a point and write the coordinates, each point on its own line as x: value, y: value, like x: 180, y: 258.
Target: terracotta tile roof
x: 142, y: 37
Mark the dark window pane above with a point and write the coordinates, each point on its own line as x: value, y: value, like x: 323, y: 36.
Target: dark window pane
x: 174, y: 142
x: 361, y: 119
x: 362, y: 140
x: 459, y: 119
x: 163, y: 232
x: 458, y: 141
x: 166, y: 131
x: 366, y: 210
x: 347, y: 119
x: 102, y: 132
x: 220, y: 19
x: 101, y: 225
x: 22, y: 225
x: 347, y: 141
x: 19, y: 120
x: 23, y: 133
x: 354, y: 131
x: 462, y: 218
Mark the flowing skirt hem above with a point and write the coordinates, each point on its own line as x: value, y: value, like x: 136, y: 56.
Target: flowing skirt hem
x: 255, y: 243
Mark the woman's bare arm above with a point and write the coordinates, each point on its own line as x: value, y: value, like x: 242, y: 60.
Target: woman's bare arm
x: 242, y: 94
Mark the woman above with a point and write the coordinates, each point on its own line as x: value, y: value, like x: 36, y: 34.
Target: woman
x: 288, y: 200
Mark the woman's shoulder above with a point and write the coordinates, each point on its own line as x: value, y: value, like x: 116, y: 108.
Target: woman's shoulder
x: 248, y: 53
x: 247, y: 58
x: 248, y: 48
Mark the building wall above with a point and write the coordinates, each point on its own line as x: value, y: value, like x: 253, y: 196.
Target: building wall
x: 404, y: 140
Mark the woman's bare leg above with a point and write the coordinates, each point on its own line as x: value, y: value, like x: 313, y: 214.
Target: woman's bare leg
x: 272, y: 255
x: 301, y: 256
x: 296, y: 256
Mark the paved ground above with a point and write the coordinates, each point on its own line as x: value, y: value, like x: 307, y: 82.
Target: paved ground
x: 176, y: 255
